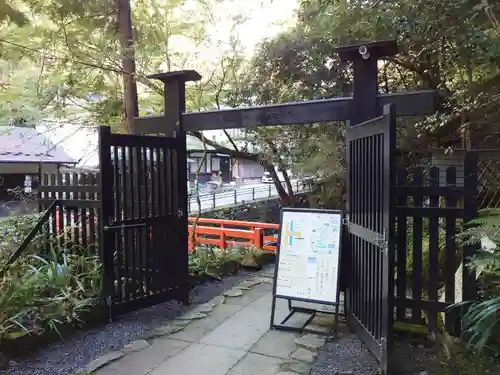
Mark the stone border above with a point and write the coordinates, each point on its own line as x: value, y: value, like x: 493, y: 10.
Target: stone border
x: 299, y: 363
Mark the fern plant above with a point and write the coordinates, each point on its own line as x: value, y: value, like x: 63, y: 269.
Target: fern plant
x: 480, y: 322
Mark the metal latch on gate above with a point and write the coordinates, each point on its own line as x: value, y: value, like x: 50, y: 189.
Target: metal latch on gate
x: 123, y: 226
x: 381, y: 241
x: 180, y: 213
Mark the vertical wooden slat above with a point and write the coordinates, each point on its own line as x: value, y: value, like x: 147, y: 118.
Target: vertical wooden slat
x: 154, y: 183
x: 161, y: 183
x: 94, y: 218
x: 417, y: 180
x: 82, y: 181
x: 132, y: 246
x: 361, y: 215
x: 60, y: 209
x: 153, y: 227
x: 106, y: 214
x: 377, y: 265
x: 168, y: 255
x: 45, y: 181
x: 68, y: 213
x: 141, y: 232
x: 450, y: 253
x: 51, y: 180
x: 363, y: 188
x: 117, y: 188
x: 371, y: 166
x: 123, y: 234
x: 371, y: 273
x: 469, y: 292
x: 433, y: 270
x: 147, y: 207
x: 77, y: 212
x: 169, y: 178
x: 401, y: 243
x: 379, y: 301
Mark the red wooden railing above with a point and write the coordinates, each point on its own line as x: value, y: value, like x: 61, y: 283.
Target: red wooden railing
x: 231, y: 233
x: 223, y: 233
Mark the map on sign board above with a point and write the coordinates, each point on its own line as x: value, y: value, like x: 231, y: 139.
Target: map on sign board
x: 309, y: 255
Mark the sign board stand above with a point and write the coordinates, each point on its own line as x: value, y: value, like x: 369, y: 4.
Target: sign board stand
x: 308, y: 265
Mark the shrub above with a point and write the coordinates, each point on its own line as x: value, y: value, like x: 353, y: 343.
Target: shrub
x: 215, y: 262
x: 480, y: 322
x: 13, y: 230
x: 45, y: 287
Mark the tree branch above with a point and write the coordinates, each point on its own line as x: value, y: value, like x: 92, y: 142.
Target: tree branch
x: 226, y: 150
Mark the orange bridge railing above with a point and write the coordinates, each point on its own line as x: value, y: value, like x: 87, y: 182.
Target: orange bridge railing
x: 232, y: 233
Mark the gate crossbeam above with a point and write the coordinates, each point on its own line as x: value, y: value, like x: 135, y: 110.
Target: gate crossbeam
x: 306, y: 112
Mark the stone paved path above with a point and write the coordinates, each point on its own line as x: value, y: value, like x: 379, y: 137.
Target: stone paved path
x: 228, y: 336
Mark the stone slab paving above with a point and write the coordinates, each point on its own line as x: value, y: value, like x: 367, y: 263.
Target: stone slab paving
x: 228, y: 336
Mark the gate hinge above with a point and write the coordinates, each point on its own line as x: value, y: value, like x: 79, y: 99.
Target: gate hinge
x: 345, y: 220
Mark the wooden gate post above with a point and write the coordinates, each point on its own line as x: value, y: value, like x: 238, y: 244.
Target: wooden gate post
x: 106, y: 238
x: 175, y: 106
x: 364, y: 106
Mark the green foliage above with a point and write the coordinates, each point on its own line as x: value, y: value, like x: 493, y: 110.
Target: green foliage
x: 10, y: 13
x: 43, y: 289
x: 216, y: 263
x: 455, y: 358
x: 329, y: 193
x: 480, y: 322
x: 69, y: 52
x: 426, y: 251
x: 13, y: 230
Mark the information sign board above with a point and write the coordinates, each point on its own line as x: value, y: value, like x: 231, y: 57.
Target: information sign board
x: 308, y: 265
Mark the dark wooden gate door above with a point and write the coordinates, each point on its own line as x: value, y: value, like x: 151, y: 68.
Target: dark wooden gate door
x: 371, y: 184
x: 144, y: 237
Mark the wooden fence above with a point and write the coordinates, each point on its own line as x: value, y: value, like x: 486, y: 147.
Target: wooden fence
x: 76, y: 218
x: 429, y: 263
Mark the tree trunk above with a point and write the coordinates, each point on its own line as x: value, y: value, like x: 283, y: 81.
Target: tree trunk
x: 128, y: 63
x: 290, y: 197
x: 289, y: 187
x: 284, y: 197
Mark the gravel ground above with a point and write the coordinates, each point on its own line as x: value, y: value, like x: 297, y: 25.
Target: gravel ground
x: 65, y: 357
x: 414, y: 359
x: 348, y: 355
x: 345, y: 355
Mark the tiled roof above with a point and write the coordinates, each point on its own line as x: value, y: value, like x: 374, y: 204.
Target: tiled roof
x: 26, y: 145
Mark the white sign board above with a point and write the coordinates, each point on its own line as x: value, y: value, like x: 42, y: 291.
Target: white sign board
x: 309, y: 255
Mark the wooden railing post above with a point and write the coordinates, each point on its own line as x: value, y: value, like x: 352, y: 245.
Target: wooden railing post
x: 190, y: 243
x: 213, y: 197
x: 235, y: 197
x: 222, y: 238
x: 259, y: 238
x: 253, y: 194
